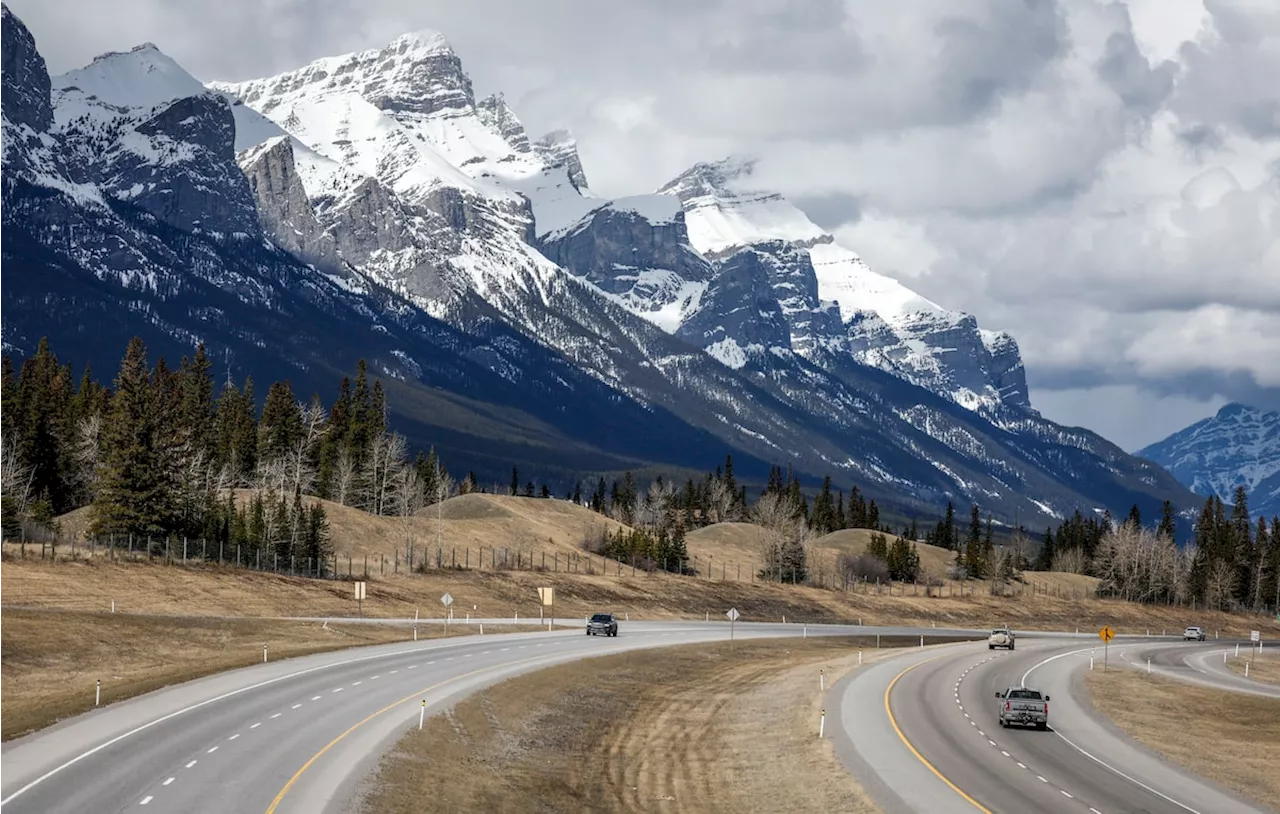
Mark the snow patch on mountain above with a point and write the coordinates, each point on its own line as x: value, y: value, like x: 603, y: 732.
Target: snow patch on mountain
x: 1238, y: 446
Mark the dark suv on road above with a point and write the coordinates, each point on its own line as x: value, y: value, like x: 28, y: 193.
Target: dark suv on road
x: 602, y: 624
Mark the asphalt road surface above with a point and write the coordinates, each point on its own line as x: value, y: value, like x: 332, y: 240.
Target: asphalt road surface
x: 298, y: 735
x: 920, y: 732
x: 1200, y: 663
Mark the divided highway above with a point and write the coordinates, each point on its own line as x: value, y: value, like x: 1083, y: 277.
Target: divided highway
x: 920, y: 731
x: 297, y: 735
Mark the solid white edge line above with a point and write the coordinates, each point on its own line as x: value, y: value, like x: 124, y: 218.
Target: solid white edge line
x: 1133, y: 780
x: 208, y: 701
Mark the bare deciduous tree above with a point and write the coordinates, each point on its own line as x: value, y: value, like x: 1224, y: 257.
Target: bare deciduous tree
x: 15, y: 476
x: 386, y: 459
x: 784, y: 537
x: 1070, y: 561
x: 1221, y: 585
x: 86, y: 452
x: 720, y: 501
x: 344, y: 478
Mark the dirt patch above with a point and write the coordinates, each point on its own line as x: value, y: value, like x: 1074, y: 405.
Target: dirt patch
x: 1263, y: 666
x: 677, y: 729
x: 1229, y: 737
x: 51, y: 659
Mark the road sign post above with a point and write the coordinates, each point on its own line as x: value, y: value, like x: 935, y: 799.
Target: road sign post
x: 360, y: 593
x: 1106, y: 634
x: 733, y: 614
x: 547, y: 596
x: 446, y: 600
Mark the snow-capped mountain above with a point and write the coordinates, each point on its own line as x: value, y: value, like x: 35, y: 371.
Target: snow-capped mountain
x: 369, y: 205
x: 1239, y: 446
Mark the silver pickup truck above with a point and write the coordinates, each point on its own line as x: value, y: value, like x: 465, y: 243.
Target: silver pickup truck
x: 1019, y: 705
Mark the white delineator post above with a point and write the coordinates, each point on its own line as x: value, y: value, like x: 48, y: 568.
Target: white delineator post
x: 822, y: 680
x: 97, y: 693
x: 859, y: 656
x: 1148, y: 666
x: 422, y: 714
x: 822, y: 724
x: 264, y: 654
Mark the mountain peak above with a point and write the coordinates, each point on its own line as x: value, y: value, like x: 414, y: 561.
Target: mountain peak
x: 715, y: 178
x: 144, y: 76
x: 423, y: 41
x: 560, y: 148
x: 26, y: 80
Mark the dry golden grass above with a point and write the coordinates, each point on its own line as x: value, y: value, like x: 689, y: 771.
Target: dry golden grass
x: 1263, y: 666
x: 52, y: 658
x: 1229, y: 737
x: 478, y: 523
x: 91, y: 585
x: 672, y: 730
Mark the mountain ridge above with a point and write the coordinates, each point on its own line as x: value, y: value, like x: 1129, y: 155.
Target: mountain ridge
x: 402, y: 222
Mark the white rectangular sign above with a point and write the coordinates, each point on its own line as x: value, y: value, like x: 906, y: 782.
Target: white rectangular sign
x: 1255, y: 636
x: 360, y: 590
x: 547, y: 595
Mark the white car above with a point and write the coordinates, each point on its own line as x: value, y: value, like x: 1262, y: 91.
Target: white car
x: 1193, y: 634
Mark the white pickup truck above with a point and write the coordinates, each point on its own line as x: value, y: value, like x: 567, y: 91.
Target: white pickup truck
x: 1000, y: 637
x: 1019, y: 705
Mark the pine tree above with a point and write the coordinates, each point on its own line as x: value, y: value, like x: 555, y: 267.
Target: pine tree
x: 333, y: 442
x: 132, y: 493
x: 515, y: 482
x: 878, y: 546
x: 1168, y: 527
x: 280, y: 427
x: 198, y: 411
x: 1044, y: 558
x: 950, y: 539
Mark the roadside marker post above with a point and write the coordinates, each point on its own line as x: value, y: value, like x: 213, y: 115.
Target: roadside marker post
x: 805, y: 635
x: 97, y: 693
x: 822, y: 680
x: 1148, y: 666
x: 859, y: 656
x: 822, y: 724
x: 733, y: 614
x: 264, y: 653
x: 360, y: 594
x: 1237, y: 649
x: 447, y: 600
x: 422, y: 714
x: 547, y: 598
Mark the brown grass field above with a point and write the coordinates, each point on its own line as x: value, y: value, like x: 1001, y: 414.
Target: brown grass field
x: 675, y: 730
x: 1229, y: 737
x: 1264, y: 665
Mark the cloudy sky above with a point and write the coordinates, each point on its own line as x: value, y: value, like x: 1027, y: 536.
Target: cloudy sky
x: 1101, y: 179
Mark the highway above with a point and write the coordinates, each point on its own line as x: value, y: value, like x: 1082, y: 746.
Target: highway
x: 298, y: 735
x: 1197, y: 663
x: 920, y: 732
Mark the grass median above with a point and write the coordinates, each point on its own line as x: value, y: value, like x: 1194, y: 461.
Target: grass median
x: 1263, y: 666
x: 705, y: 728
x: 1229, y: 737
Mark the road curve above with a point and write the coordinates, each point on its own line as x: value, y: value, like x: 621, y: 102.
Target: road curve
x: 298, y: 735
x: 921, y: 733
x: 1200, y: 663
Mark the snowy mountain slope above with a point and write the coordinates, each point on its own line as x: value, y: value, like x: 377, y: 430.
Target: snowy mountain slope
x: 1238, y: 446
x: 421, y: 216
x: 460, y: 212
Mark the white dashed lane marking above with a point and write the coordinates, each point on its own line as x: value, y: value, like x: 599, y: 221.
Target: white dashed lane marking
x: 167, y: 782
x: 146, y: 800
x: 211, y: 751
x: 189, y: 765
x: 315, y: 698
x: 277, y: 715
x: 233, y: 737
x: 295, y: 706
x: 255, y: 726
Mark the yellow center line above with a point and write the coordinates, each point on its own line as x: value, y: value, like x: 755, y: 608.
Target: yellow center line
x: 894, y: 723
x: 298, y: 774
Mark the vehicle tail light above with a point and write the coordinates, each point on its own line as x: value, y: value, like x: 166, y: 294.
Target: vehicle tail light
x: 1046, y: 707
x: 1006, y: 706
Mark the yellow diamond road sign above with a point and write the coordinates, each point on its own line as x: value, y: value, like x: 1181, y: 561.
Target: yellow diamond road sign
x: 1106, y: 634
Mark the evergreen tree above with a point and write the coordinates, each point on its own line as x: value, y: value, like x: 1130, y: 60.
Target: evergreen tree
x: 546, y: 493
x: 1044, y: 558
x: 198, y: 410
x: 973, y: 556
x: 132, y: 492
x: 1135, y: 517
x: 1168, y: 527
x: 950, y: 539
x: 280, y: 428
x: 528, y: 489
x: 577, y: 493
x: 333, y: 443
x: 515, y: 482
x: 878, y: 546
